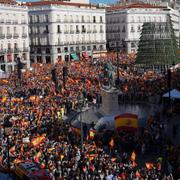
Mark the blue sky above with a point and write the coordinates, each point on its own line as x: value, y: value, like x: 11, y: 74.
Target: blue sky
x: 92, y: 1
x: 102, y: 1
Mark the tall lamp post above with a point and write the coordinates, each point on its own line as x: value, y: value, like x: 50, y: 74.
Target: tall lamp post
x: 7, y: 128
x: 117, y: 62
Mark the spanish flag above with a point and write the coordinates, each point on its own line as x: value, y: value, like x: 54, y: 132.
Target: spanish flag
x: 4, y: 99
x: 111, y: 143
x: 38, y: 140
x: 149, y: 166
x: 128, y: 122
x: 133, y: 156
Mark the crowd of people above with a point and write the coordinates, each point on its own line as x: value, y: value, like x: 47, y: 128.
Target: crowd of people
x: 35, y: 107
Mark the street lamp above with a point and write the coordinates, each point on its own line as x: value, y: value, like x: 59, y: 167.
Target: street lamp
x: 7, y: 128
x: 117, y: 62
x: 81, y: 109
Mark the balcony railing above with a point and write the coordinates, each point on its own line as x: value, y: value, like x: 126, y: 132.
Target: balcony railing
x: 9, y: 36
x: 77, y: 32
x: 15, y: 36
x: 66, y: 32
x: 71, y: 32
x: 72, y: 42
x: 9, y: 50
x: 88, y: 32
x: 101, y: 31
x: 2, y: 36
x: 59, y: 32
x: 2, y: 51
x: 2, y: 21
x: 24, y: 35
x: 16, y: 50
x: 23, y: 22
x: 15, y: 22
x: 8, y: 22
x: 94, y: 31
x: 25, y: 49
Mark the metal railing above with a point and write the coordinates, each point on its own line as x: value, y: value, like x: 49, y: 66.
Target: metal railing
x: 9, y: 36
x: 15, y: 36
x: 2, y: 36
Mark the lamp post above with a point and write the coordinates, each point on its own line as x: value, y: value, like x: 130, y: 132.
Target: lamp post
x: 7, y: 128
x: 117, y: 62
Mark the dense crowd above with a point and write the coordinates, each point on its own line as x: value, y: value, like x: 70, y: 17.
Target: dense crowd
x: 36, y: 108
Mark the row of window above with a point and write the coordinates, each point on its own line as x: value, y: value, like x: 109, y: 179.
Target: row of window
x: 12, y: 46
x: 70, y: 49
x: 66, y: 18
x: 67, y: 29
x: 136, y: 19
x: 13, y: 18
x: 14, y: 30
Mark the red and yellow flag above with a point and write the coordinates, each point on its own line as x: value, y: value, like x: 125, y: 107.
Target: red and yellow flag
x: 38, y: 140
x: 37, y: 157
x: 111, y: 143
x: 128, y: 122
x: 133, y: 156
x: 91, y: 133
x: 4, y: 99
x: 149, y: 166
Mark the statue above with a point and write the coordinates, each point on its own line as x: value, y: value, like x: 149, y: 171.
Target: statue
x: 109, y: 73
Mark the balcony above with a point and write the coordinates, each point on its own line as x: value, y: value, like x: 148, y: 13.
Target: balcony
x: 2, y: 36
x: 15, y: 36
x: 94, y: 31
x: 14, y: 22
x: 71, y: 42
x: 23, y: 22
x: 2, y: 21
x: 77, y: 31
x: 101, y: 31
x: 9, y: 50
x: 89, y: 32
x: 83, y: 30
x: 24, y: 35
x: 60, y: 44
x: 16, y: 50
x: 58, y: 20
x: 8, y: 21
x: 59, y: 32
x: 71, y: 32
x: 66, y: 32
x: 25, y: 49
x: 9, y: 36
x: 2, y: 51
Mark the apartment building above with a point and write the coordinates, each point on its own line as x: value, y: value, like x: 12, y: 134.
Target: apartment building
x: 14, y: 37
x: 61, y: 30
x: 124, y: 24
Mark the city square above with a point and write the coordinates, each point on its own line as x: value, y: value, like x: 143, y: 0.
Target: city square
x: 90, y: 91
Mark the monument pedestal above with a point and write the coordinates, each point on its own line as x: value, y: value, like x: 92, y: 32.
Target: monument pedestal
x: 109, y: 101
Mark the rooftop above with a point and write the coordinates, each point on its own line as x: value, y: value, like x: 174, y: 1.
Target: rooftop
x: 42, y: 3
x: 133, y: 5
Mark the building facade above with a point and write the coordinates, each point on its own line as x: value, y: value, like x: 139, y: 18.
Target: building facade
x: 124, y: 24
x: 14, y: 37
x: 64, y: 31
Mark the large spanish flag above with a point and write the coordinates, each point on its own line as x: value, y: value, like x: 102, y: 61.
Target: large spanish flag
x: 128, y: 122
x: 38, y: 140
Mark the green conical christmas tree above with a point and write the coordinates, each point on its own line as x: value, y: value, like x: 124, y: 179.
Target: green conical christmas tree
x: 157, y: 45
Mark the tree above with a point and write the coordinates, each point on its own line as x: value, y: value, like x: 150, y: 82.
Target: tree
x: 158, y: 44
